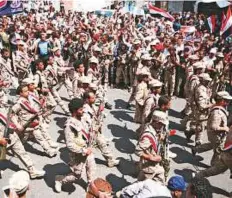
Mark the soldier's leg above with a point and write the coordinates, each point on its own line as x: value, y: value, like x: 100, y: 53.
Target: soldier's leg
x: 60, y: 101
x: 44, y: 143
x: 172, y: 83
x: 19, y: 150
x: 106, y: 152
x: 218, y: 145
x: 68, y: 85
x: 118, y: 74
x: 200, y: 130
x: 216, y: 169
x: 90, y: 168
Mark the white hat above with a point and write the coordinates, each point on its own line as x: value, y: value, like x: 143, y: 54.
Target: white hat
x: 155, y: 42
x: 49, y: 32
x: 136, y: 41
x: 155, y: 83
x: 198, y: 65
x: 160, y: 116
x: 85, y: 79
x: 224, y: 95
x: 93, y: 86
x: 20, y: 42
x: 213, y: 51
x: 220, y: 54
x: 205, y: 76
x: 146, y: 57
x: 96, y: 49
x: 93, y: 60
x: 19, y: 181
x: 194, y: 57
x: 27, y: 81
x: 55, y: 49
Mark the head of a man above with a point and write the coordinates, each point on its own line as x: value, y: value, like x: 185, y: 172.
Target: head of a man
x: 177, y: 186
x: 199, y: 188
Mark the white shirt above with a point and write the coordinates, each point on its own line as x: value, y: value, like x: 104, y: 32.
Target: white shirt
x: 146, y: 189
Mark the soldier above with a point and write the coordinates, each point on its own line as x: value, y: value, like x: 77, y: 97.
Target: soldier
x: 7, y: 74
x: 42, y: 86
x: 79, y: 72
x: 79, y: 144
x: 158, y: 59
x: 121, y: 71
x: 216, y: 127
x: 224, y: 162
x: 202, y: 96
x: 51, y: 73
x: 62, y: 69
x: 95, y: 123
x: 172, y: 60
x: 23, y: 112
x: 22, y: 62
x: 147, y: 149
x: 192, y: 83
x: 39, y: 104
x: 141, y: 93
x: 14, y: 143
x: 151, y: 102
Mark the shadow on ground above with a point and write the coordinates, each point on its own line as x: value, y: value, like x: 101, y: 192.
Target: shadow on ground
x: 122, y: 115
x: 117, y: 182
x: 184, y: 156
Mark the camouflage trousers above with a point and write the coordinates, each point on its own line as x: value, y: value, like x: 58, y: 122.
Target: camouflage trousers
x: 220, y: 166
x: 216, y: 142
x: 78, y: 163
x: 121, y: 72
x: 155, y: 173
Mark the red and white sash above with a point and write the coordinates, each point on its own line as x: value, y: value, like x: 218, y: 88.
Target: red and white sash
x: 152, y: 139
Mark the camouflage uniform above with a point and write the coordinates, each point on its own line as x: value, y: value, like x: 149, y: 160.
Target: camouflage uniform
x: 91, y: 115
x: 225, y: 160
x: 202, y: 96
x: 77, y: 141
x: 216, y: 136
x: 63, y: 78
x: 148, y: 143
x: 17, y: 147
x: 22, y: 112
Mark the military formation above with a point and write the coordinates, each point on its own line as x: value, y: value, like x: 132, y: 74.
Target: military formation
x: 151, y: 58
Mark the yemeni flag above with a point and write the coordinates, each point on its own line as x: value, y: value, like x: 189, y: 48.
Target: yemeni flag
x: 226, y: 27
x: 212, y: 23
x: 154, y: 10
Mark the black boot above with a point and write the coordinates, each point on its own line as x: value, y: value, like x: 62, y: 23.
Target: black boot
x: 108, y: 106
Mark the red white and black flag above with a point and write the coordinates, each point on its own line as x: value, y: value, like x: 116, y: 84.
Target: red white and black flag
x: 226, y: 27
x: 212, y: 23
x: 155, y: 10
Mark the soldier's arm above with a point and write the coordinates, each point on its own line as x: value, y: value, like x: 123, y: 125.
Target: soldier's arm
x: 202, y: 100
x: 14, y: 117
x: 147, y: 107
x: 139, y: 95
x: 71, y: 144
x: 216, y: 120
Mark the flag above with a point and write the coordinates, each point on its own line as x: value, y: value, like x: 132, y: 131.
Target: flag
x: 154, y: 10
x: 212, y: 23
x: 226, y: 26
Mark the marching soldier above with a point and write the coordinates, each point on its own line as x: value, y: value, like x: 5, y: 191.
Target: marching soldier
x: 79, y: 73
x: 7, y: 74
x: 216, y: 127
x: 224, y: 162
x: 172, y: 60
x: 141, y: 93
x: 95, y: 123
x: 147, y: 149
x: 23, y: 112
x: 79, y: 144
x: 39, y: 104
x: 202, y: 96
x: 62, y: 69
x: 151, y: 102
x: 14, y: 143
x: 21, y: 62
x: 51, y: 73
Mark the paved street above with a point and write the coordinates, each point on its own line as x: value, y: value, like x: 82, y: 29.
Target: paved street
x: 119, y: 125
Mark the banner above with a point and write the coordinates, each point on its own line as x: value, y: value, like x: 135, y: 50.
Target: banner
x: 10, y: 7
